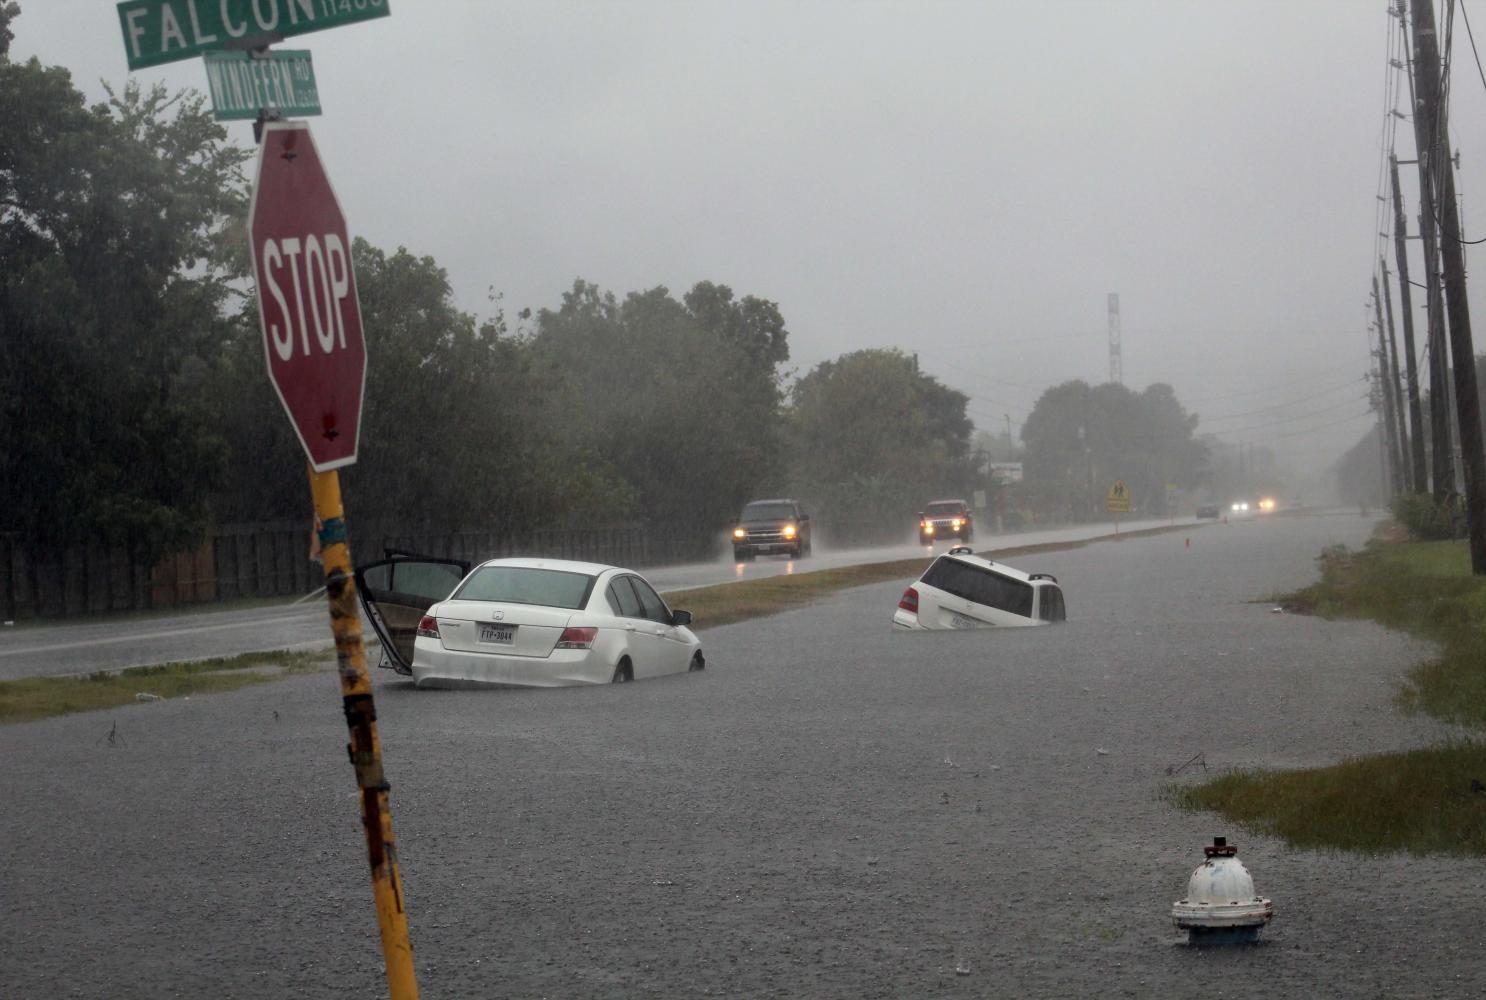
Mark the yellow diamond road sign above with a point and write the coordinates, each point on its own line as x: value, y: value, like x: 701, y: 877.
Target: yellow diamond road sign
x: 1118, y: 500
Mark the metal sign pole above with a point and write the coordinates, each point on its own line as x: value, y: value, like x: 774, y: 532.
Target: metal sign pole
x: 365, y: 747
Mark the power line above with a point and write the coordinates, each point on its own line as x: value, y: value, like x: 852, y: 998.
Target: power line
x: 1289, y: 420
x: 1350, y: 383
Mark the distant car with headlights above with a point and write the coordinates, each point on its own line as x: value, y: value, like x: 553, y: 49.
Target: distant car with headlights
x: 961, y: 590
x: 772, y: 526
x: 945, y: 519
x: 523, y: 623
x: 1208, y: 510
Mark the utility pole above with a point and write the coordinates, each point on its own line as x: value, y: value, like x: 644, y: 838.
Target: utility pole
x: 1405, y: 304
x: 1390, y: 408
x: 1436, y: 155
x: 1441, y: 421
x: 1405, y: 474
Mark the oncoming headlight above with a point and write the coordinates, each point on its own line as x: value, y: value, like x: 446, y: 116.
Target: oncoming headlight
x: 739, y: 533
x: 789, y: 531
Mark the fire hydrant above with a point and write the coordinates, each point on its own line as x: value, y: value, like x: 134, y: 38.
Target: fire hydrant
x: 1221, y: 906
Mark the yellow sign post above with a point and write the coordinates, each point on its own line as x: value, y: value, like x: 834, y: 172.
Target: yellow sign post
x: 1117, y: 501
x: 365, y: 746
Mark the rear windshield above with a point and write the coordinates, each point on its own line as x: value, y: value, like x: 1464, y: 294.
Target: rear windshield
x: 945, y: 507
x: 983, y: 586
x: 524, y: 585
x: 768, y: 512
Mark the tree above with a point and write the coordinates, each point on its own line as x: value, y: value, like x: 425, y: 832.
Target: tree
x: 113, y: 306
x: 872, y: 436
x: 1080, y: 439
x: 680, y: 398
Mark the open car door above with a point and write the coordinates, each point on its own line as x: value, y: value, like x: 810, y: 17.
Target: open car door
x: 397, y: 592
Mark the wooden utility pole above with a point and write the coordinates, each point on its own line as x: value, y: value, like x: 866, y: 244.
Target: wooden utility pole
x: 1406, y: 307
x: 1441, y: 422
x: 1395, y: 481
x: 1435, y: 154
x: 1405, y: 472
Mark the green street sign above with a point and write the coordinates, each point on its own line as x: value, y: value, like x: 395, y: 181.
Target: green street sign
x: 242, y: 85
x: 162, y: 31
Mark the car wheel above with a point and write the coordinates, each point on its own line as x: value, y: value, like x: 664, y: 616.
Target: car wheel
x: 624, y: 671
x: 698, y: 662
x: 740, y: 555
x: 925, y: 540
x: 797, y: 552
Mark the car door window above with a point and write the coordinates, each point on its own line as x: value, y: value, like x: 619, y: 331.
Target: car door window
x: 433, y: 581
x: 655, y: 608
x: 623, y: 600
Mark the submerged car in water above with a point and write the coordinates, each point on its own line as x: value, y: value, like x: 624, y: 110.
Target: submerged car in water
x: 962, y: 590
x: 523, y: 623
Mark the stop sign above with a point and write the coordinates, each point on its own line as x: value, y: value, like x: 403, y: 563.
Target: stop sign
x: 307, y: 295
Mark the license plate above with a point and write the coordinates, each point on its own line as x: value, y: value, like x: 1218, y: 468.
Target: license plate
x: 501, y: 634
x: 960, y: 621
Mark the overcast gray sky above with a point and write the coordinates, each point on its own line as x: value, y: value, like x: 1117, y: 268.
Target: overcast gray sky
x: 964, y: 180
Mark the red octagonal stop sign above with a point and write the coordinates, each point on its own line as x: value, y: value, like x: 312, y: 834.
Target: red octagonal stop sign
x: 307, y: 295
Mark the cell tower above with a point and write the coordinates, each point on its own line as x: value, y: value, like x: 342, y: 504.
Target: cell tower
x: 1116, y: 368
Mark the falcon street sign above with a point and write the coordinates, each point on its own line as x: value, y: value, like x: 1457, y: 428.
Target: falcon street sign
x: 162, y: 31
x: 307, y: 295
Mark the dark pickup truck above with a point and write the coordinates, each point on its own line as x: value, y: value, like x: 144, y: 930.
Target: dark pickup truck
x: 772, y: 526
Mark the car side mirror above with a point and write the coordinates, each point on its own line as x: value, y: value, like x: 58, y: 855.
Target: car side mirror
x: 921, y: 514
x: 804, y: 517
x: 680, y: 617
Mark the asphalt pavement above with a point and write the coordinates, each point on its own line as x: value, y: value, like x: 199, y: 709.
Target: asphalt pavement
x: 831, y: 810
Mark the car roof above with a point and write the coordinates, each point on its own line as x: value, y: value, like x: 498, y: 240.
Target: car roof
x: 1001, y: 568
x: 950, y: 500
x: 774, y: 500
x: 562, y: 565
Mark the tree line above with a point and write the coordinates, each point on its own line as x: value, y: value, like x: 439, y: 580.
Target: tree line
x: 136, y: 409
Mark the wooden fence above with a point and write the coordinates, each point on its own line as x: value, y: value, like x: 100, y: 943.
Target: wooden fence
x: 271, y: 559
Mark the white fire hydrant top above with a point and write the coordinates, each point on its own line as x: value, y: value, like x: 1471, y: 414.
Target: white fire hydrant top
x: 1221, y: 893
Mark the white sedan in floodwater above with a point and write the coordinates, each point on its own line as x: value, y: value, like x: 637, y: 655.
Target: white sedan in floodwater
x: 523, y: 623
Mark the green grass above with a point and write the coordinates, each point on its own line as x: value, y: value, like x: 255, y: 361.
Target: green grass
x: 1418, y: 801
x: 39, y: 697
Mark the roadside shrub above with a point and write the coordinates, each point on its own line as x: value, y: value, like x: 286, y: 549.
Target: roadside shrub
x: 1429, y: 520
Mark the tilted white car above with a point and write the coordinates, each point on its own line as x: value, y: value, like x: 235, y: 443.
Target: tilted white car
x: 962, y: 590
x: 523, y: 623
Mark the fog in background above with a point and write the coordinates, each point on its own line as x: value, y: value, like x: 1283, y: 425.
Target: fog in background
x: 967, y: 181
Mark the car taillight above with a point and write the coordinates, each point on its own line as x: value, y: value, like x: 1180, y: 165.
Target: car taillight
x: 909, y: 601
x: 428, y: 627
x: 577, y: 638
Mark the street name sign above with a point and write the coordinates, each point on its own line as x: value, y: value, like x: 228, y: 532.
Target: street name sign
x: 306, y: 291
x: 162, y: 31
x: 242, y: 85
x: 1118, y: 499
